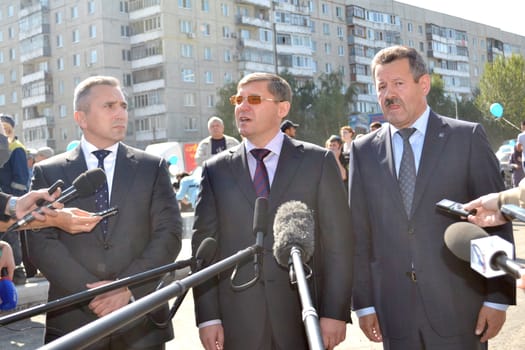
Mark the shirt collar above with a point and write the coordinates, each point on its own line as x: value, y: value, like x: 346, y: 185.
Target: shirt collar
x: 420, y: 124
x: 88, y: 148
x: 275, y: 145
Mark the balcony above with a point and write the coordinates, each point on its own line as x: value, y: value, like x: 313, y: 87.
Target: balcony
x: 260, y: 3
x: 42, y: 121
x: 147, y: 61
x: 150, y: 110
x: 149, y: 85
x: 42, y: 5
x: 253, y: 21
x: 43, y: 51
x: 44, y: 98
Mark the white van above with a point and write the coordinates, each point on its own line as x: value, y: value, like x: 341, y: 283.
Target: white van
x: 172, y: 152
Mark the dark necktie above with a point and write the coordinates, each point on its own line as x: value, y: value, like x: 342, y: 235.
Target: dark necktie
x: 102, y: 193
x: 261, y: 183
x: 407, y: 170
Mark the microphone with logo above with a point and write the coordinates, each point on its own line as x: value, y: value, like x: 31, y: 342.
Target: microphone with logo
x: 84, y: 185
x: 293, y: 247
x: 490, y: 256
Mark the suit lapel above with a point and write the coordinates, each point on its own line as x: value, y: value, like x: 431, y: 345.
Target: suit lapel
x: 123, y: 178
x: 292, y: 153
x: 385, y: 155
x: 435, y: 139
x: 241, y: 173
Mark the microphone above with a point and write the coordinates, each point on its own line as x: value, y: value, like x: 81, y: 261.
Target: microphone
x: 260, y: 222
x: 203, y: 257
x: 488, y: 255
x: 513, y: 211
x: 84, y: 185
x: 294, y: 242
x: 293, y: 227
x: 8, y: 294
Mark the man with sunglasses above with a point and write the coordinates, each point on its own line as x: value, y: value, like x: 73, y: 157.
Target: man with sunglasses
x: 215, y: 143
x: 267, y: 315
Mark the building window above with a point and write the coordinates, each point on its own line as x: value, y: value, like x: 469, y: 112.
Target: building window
x: 124, y: 31
x: 185, y: 4
x: 10, y: 11
x: 124, y: 7
x: 91, y: 7
x: 186, y: 50
x: 208, y: 77
x: 339, y: 11
x: 326, y: 29
x: 2, y: 79
x: 92, y: 31
x: 74, y: 12
x: 225, y: 10
x: 76, y: 36
x: 10, y: 33
x: 14, y: 97
x: 410, y: 27
x: 210, y: 100
x: 1, y: 56
x: 188, y: 75
x: 61, y: 87
x: 190, y: 124
x: 58, y: 17
x: 62, y: 111
x: 60, y: 41
x: 205, y: 5
x: 2, y: 100
x: 12, y: 54
x: 189, y: 100
x: 207, y: 53
x: 93, y: 57
x: 13, y: 75
x: 76, y: 60
x: 60, y: 63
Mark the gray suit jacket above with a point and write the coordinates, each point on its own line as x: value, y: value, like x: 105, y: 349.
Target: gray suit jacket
x: 457, y: 163
x: 146, y: 233
x: 224, y: 211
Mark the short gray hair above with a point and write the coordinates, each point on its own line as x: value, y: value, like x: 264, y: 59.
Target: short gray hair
x: 214, y: 119
x: 84, y: 88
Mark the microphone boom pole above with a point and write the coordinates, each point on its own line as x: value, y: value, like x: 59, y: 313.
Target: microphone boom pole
x: 309, y: 314
x: 90, y: 293
x: 91, y: 332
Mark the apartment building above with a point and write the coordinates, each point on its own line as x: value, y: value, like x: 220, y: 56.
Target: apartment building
x: 172, y: 56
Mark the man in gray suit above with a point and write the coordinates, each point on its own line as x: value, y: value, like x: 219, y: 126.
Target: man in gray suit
x: 267, y: 315
x: 146, y: 232
x: 410, y: 291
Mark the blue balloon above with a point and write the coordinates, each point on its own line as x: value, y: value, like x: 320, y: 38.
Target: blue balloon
x: 72, y: 145
x: 496, y: 109
x: 173, y: 160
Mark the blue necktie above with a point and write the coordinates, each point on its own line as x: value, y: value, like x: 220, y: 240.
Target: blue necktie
x: 407, y: 170
x: 102, y: 193
x: 261, y: 183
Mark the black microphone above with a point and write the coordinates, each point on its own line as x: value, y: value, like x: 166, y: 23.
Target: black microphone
x: 513, y: 211
x: 293, y: 227
x: 203, y: 257
x: 488, y: 255
x: 260, y: 222
x: 84, y: 185
x: 294, y: 241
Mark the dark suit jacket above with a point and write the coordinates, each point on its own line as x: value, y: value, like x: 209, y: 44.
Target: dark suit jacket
x: 457, y: 163
x: 146, y: 233
x: 224, y: 211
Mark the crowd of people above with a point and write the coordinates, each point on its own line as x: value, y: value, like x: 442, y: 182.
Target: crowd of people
x: 379, y: 249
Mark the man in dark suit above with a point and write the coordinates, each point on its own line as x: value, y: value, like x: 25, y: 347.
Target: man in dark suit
x: 267, y: 315
x: 410, y: 291
x: 146, y: 232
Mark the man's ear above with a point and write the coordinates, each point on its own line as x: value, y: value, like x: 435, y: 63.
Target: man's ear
x: 80, y: 118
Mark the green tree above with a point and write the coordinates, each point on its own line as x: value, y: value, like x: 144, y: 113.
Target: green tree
x: 225, y: 110
x: 503, y: 82
x: 438, y: 100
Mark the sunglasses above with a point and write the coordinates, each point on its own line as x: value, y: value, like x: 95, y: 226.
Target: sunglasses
x: 252, y: 99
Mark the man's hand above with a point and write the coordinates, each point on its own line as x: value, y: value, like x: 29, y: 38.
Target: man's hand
x: 212, y: 337
x: 489, y: 323
x: 7, y: 260
x: 487, y: 211
x: 71, y: 220
x: 27, y: 203
x: 333, y: 331
x: 108, y: 302
x: 370, y: 326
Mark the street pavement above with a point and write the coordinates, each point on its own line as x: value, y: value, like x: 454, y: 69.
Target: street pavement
x: 27, y: 334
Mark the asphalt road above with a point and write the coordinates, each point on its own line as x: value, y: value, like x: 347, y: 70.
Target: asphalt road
x: 27, y: 334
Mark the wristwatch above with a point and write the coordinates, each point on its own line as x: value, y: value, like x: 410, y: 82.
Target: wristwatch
x: 11, y: 206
